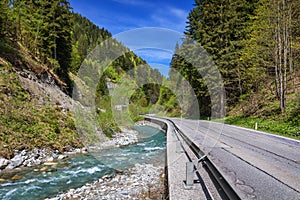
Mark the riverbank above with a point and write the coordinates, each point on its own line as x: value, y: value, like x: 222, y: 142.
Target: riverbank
x: 143, y: 181
x: 140, y: 182
x: 35, y: 157
x: 148, y: 123
x: 123, y: 138
x: 134, y: 171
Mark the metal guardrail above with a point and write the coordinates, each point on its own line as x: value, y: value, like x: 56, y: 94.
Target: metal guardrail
x: 202, y: 158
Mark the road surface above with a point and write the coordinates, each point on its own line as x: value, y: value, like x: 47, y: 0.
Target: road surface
x: 257, y: 165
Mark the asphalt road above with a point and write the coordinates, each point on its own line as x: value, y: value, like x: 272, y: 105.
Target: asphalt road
x: 256, y: 164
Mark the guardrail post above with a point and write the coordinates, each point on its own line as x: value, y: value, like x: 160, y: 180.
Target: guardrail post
x: 173, y: 133
x: 178, y: 147
x: 189, y: 175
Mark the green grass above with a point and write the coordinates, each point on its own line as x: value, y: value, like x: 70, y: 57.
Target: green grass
x: 264, y: 108
x: 287, y: 128
x: 23, y: 124
x: 271, y: 120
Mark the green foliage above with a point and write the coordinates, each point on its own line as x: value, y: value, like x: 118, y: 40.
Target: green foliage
x: 105, y: 116
x: 268, y: 115
x: 281, y: 127
x: 23, y: 124
x: 168, y: 103
x: 47, y: 36
x: 255, y: 45
x: 44, y: 28
x: 220, y: 27
x: 3, y: 17
x: 183, y: 70
x: 86, y: 36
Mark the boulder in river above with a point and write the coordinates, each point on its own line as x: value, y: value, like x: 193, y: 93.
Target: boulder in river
x: 16, y: 177
x: 3, y: 163
x: 61, y: 157
x: 49, y: 159
x: 15, y: 162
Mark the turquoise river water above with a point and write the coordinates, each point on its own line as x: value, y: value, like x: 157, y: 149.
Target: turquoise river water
x: 37, y: 183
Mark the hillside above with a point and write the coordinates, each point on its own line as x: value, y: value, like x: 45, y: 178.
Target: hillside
x: 34, y: 110
x: 39, y: 64
x: 264, y: 108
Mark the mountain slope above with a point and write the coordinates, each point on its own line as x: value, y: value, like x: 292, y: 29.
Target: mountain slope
x: 34, y: 111
x: 35, y: 82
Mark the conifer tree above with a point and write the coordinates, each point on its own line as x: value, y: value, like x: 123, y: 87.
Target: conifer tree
x: 220, y: 27
x: 4, y: 7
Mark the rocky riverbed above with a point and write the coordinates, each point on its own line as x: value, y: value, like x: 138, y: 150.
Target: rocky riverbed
x: 143, y: 181
x: 26, y: 158
x: 140, y: 182
x: 31, y: 158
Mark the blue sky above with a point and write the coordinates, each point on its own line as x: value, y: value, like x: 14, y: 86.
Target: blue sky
x: 120, y: 17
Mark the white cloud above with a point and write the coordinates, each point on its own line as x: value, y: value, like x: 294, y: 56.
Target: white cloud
x: 166, y: 16
x: 134, y: 2
x: 181, y: 14
x: 155, y: 55
x: 170, y: 17
x: 149, y: 38
x: 157, y: 59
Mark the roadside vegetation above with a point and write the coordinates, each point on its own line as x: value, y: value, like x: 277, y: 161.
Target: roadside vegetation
x: 269, y: 117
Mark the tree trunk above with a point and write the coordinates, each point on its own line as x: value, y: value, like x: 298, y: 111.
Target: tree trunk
x: 291, y: 67
x: 285, y: 53
x: 279, y: 44
x: 276, y: 54
x: 276, y: 65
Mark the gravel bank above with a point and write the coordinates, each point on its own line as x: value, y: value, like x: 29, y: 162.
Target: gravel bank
x: 123, y: 138
x: 140, y: 182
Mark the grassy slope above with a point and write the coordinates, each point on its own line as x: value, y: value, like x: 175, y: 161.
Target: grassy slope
x: 24, y: 123
x: 263, y: 108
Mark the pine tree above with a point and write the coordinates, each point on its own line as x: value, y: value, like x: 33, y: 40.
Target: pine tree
x: 220, y: 27
x: 62, y: 50
x: 4, y: 7
x: 86, y: 36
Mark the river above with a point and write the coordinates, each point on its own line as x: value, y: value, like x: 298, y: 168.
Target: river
x: 46, y: 181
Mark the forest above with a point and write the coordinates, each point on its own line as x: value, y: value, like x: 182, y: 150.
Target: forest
x: 47, y: 37
x: 255, y: 45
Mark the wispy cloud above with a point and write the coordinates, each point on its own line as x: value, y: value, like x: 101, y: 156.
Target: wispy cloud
x: 157, y: 59
x: 164, y: 15
x: 155, y: 55
x: 134, y: 2
x: 150, y: 38
x: 170, y: 17
x: 179, y: 13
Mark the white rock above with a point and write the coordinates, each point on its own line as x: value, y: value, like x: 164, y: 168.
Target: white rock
x: 3, y: 163
x: 60, y: 157
x: 49, y: 159
x: 15, y: 162
x: 50, y: 163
